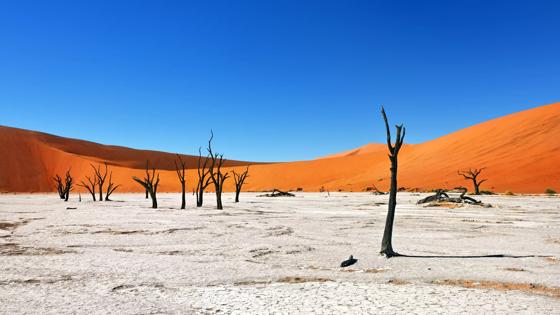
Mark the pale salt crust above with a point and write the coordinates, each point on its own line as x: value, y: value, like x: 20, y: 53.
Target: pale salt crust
x: 123, y: 257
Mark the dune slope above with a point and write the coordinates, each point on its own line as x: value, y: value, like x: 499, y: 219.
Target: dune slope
x: 521, y: 153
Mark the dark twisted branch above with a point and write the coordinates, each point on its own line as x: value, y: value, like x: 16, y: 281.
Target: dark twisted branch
x: 239, y: 179
x: 68, y: 185
x: 59, y: 186
x: 111, y: 187
x: 90, y: 185
x: 150, y: 183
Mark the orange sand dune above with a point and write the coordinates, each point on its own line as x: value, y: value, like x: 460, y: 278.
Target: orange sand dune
x: 521, y: 153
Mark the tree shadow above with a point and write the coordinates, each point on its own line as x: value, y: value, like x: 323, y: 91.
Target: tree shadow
x: 473, y: 256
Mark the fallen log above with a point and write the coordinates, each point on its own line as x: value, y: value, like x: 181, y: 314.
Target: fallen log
x: 374, y: 190
x: 278, y: 193
x: 442, y: 196
x: 439, y: 196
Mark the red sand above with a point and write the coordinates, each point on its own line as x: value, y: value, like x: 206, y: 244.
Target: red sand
x: 521, y: 153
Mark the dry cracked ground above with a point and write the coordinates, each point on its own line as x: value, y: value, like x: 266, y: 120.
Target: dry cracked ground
x: 277, y: 255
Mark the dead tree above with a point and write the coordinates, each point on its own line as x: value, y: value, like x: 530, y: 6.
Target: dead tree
x: 386, y: 243
x: 63, y: 187
x: 68, y: 185
x: 111, y: 187
x: 150, y: 183
x: 203, y: 178
x: 59, y: 186
x: 216, y: 174
x: 90, y: 185
x: 181, y: 176
x: 239, y: 179
x: 472, y: 174
x: 101, y: 177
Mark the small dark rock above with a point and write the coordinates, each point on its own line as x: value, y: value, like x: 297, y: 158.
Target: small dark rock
x: 349, y: 262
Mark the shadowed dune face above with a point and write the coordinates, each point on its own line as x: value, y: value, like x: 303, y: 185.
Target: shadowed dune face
x: 521, y: 153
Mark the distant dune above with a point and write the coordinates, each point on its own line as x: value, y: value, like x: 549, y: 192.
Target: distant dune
x: 521, y: 153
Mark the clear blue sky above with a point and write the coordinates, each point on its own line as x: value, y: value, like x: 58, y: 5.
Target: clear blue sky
x: 275, y: 80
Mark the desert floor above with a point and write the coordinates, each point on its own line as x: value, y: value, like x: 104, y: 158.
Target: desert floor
x: 277, y: 255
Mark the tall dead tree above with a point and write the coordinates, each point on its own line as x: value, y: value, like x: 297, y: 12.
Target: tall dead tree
x: 181, y: 176
x: 386, y: 243
x: 472, y: 174
x: 90, y: 185
x: 150, y: 183
x: 101, y: 177
x: 203, y: 178
x: 59, y: 186
x: 218, y: 177
x: 111, y: 187
x: 239, y: 179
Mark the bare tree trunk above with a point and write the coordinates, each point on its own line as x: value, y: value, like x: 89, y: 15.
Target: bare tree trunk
x: 199, y: 198
x: 154, y: 200
x: 237, y: 191
x: 203, y: 179
x: 68, y: 183
x: 476, y: 187
x: 183, y: 198
x: 215, y: 171
x: 219, y: 205
x: 386, y: 243
x: 181, y: 176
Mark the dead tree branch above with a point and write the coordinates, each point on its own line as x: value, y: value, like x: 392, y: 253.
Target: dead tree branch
x: 150, y: 183
x: 59, y: 186
x: 216, y: 174
x: 90, y: 185
x: 111, y: 187
x: 239, y: 179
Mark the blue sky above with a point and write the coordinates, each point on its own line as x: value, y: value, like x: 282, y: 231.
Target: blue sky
x: 275, y: 80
